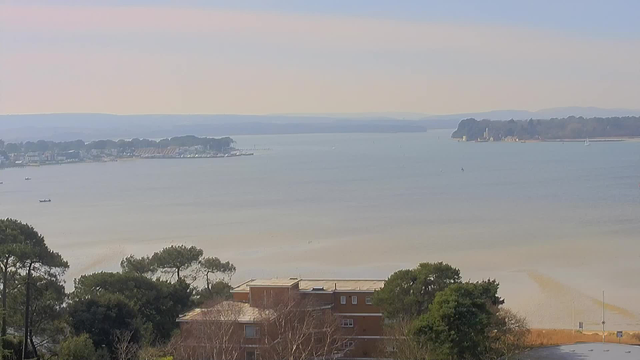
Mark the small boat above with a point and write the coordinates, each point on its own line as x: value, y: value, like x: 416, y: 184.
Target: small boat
x: 27, y: 178
x: 586, y: 142
x: 45, y: 200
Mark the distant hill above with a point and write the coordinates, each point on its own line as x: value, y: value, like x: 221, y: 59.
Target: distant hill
x: 560, y: 112
x: 398, y: 115
x: 67, y: 127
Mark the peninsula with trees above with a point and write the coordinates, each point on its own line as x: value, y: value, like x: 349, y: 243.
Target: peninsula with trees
x: 569, y: 128
x: 42, y: 152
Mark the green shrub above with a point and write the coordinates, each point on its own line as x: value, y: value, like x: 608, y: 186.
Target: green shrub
x: 77, y: 348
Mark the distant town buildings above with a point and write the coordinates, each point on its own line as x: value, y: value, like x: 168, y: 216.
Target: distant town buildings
x: 34, y: 158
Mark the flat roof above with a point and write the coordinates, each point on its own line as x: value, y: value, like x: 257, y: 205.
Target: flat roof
x: 331, y: 285
x: 341, y: 284
x: 226, y: 311
x: 273, y: 282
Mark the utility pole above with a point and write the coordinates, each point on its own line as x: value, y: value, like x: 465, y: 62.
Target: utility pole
x: 573, y: 319
x: 603, y: 334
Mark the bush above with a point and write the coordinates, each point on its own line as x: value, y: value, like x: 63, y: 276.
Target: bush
x: 12, y: 348
x: 77, y: 348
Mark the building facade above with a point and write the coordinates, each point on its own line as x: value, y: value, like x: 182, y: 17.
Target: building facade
x: 347, y: 303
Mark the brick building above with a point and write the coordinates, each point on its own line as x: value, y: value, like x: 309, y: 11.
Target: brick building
x: 348, y: 303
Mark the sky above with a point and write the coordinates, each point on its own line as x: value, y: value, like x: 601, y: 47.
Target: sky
x: 329, y: 56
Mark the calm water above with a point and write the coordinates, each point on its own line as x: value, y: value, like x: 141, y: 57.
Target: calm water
x: 555, y: 223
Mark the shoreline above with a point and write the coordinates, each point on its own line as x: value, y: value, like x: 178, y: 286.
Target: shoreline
x: 592, y: 140
x: 122, y: 159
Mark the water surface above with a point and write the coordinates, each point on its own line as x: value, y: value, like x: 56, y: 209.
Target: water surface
x: 555, y: 223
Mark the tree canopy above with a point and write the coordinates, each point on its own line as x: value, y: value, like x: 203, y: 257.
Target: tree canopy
x: 157, y: 303
x: 566, y: 128
x: 176, y: 260
x: 105, y: 307
x: 141, y: 266
x: 29, y: 266
x: 212, y: 144
x: 77, y: 348
x: 408, y: 293
x: 459, y: 323
x: 100, y: 316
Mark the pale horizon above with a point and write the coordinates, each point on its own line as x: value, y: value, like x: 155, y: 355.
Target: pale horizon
x: 319, y: 114
x: 266, y: 58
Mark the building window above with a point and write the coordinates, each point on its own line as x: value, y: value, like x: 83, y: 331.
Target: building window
x: 368, y: 300
x: 343, y: 300
x: 250, y: 355
x: 346, y: 323
x: 354, y: 300
x: 349, y: 344
x: 251, y: 331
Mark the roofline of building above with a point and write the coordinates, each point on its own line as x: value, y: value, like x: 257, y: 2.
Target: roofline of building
x: 274, y: 285
x: 311, y: 291
x: 180, y: 320
x: 343, y: 279
x: 297, y: 281
x: 244, y: 283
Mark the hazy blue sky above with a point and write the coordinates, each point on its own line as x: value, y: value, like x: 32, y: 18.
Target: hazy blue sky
x: 144, y: 56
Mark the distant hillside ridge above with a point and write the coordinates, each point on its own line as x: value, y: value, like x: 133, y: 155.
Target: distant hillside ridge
x: 566, y: 128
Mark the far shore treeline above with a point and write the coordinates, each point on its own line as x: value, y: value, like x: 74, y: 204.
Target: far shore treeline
x: 211, y: 144
x: 566, y: 128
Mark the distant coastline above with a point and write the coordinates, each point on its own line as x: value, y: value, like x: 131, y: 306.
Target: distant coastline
x: 42, y: 152
x: 569, y: 129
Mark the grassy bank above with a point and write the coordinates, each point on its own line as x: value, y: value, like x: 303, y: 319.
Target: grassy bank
x: 550, y: 337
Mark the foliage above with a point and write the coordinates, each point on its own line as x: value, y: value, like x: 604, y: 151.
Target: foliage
x: 104, y: 306
x: 567, y: 128
x: 101, y: 316
x: 213, y: 267
x: 141, y: 266
x: 510, y: 335
x: 459, y: 321
x: 26, y: 258
x: 12, y: 347
x: 10, y: 255
x: 156, y: 302
x: 408, y: 293
x: 176, y: 260
x: 46, y: 316
x: 153, y: 353
x: 77, y: 348
x: 212, y: 144
x: 217, y: 274
x: 220, y: 290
